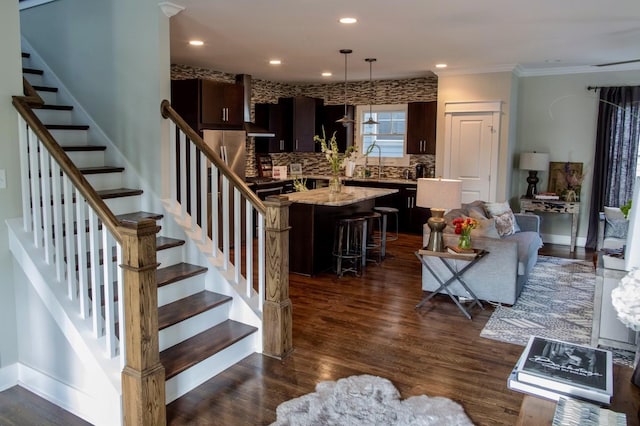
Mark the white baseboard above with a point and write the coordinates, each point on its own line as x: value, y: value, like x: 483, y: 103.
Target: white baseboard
x: 93, y: 409
x: 563, y: 239
x: 8, y: 376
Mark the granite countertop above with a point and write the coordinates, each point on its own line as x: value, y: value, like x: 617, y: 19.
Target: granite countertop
x: 356, y: 179
x: 348, y: 195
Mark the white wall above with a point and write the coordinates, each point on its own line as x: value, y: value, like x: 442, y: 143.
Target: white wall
x: 10, y: 200
x: 557, y: 114
x: 481, y: 87
x: 113, y: 55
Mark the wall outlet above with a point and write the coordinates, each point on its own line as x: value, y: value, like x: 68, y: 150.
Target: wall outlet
x: 3, y: 179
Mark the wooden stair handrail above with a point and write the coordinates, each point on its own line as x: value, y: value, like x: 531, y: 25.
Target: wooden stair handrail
x: 168, y: 112
x: 23, y: 105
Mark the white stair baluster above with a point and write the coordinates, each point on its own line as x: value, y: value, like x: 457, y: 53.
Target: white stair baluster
x: 83, y: 269
x: 94, y: 259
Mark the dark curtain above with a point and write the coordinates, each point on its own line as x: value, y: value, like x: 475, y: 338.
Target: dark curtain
x: 616, y: 155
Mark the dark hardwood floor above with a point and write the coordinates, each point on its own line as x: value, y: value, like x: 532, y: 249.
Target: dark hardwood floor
x: 368, y: 325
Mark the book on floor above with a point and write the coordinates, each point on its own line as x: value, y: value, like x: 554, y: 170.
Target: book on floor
x: 567, y: 368
x: 571, y: 412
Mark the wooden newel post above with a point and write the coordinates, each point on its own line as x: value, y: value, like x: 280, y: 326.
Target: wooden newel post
x: 277, y: 322
x: 143, y: 378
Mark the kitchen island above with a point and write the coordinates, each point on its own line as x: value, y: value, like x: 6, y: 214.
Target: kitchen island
x: 313, y: 216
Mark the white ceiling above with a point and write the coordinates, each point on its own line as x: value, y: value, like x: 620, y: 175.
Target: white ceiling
x: 408, y: 37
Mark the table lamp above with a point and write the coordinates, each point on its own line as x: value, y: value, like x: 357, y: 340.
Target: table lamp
x: 534, y: 162
x: 438, y: 195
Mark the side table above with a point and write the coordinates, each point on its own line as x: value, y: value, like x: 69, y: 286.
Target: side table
x: 428, y: 256
x: 530, y: 205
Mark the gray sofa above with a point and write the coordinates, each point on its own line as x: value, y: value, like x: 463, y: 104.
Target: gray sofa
x: 499, y: 276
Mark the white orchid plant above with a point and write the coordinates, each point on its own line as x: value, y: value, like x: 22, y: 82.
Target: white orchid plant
x: 626, y: 300
x: 329, y: 148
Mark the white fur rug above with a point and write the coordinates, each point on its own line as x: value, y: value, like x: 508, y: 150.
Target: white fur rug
x: 367, y: 400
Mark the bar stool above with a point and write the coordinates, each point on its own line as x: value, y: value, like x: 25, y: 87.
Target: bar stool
x: 385, y: 212
x: 372, y: 233
x: 347, y: 245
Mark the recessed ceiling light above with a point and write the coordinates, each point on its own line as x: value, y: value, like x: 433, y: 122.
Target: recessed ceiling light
x: 348, y: 20
x: 275, y: 62
x: 441, y: 65
x: 326, y: 74
x: 196, y: 42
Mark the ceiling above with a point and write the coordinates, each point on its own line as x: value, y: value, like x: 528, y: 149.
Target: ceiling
x: 408, y: 37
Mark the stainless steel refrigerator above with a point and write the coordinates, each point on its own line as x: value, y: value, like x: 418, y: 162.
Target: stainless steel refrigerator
x: 230, y: 146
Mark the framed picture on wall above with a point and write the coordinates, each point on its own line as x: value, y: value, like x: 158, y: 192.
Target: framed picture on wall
x: 562, y: 174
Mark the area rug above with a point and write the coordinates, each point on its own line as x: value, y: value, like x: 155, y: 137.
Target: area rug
x: 367, y: 400
x: 556, y: 302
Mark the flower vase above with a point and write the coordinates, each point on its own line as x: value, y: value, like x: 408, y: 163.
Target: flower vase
x: 465, y: 242
x: 335, y: 185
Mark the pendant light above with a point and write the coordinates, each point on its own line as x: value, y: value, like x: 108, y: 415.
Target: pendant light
x: 345, y: 120
x: 370, y: 120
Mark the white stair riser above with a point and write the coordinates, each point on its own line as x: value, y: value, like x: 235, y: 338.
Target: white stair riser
x: 190, y: 327
x: 86, y: 158
x: 203, y: 371
x: 123, y: 205
x: 170, y: 256
x: 178, y: 290
x: 105, y: 180
x: 70, y: 137
x: 34, y: 79
x: 54, y: 116
x: 26, y: 62
x: 49, y: 97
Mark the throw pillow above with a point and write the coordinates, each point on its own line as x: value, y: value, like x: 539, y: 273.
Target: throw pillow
x: 505, y: 220
x: 613, y: 213
x: 486, y: 228
x: 616, y: 228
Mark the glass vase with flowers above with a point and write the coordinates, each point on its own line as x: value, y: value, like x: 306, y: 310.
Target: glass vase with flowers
x: 337, y: 161
x: 463, y: 227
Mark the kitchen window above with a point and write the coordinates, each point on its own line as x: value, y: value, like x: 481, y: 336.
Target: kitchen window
x: 389, y: 134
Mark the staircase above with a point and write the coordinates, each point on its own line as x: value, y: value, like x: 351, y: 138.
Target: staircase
x: 204, y: 324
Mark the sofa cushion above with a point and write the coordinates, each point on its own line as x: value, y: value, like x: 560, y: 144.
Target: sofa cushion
x: 616, y: 228
x: 505, y: 220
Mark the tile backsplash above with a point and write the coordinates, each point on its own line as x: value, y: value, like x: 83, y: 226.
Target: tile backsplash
x: 359, y: 93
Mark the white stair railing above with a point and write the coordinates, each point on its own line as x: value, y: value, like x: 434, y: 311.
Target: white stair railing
x: 73, y: 239
x: 219, y: 209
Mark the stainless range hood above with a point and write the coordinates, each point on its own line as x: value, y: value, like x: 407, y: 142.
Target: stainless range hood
x: 251, y: 128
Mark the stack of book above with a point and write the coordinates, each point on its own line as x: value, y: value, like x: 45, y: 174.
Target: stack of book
x: 552, y: 368
x: 461, y: 251
x: 547, y: 196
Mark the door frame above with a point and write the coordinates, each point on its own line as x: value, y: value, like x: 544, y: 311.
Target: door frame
x: 467, y: 108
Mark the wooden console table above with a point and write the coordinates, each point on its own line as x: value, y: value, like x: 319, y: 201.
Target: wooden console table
x: 529, y: 205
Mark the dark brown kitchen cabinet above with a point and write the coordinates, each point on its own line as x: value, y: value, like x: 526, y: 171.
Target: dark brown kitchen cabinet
x: 421, y: 127
x: 301, y: 122
x: 207, y: 104
x: 269, y: 116
x: 344, y: 134
x: 295, y: 121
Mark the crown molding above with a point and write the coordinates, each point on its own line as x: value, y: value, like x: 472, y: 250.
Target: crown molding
x: 170, y: 9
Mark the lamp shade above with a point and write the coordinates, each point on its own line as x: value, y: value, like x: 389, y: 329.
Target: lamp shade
x: 439, y: 193
x: 534, y: 161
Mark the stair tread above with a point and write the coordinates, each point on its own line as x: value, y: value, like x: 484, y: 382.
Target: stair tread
x: 57, y: 107
x: 45, y: 88
x: 100, y: 169
x: 69, y: 148
x: 118, y: 192
x: 163, y: 243
x: 67, y: 126
x: 180, y: 357
x: 189, y: 307
x: 177, y: 272
x: 134, y: 217
x: 32, y: 71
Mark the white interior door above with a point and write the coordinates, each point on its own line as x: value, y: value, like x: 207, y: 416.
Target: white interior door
x: 471, y: 149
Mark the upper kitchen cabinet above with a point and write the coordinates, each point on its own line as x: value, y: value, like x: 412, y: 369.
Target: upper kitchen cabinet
x: 421, y: 127
x: 207, y: 104
x: 302, y: 121
x: 344, y: 134
x: 269, y: 116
